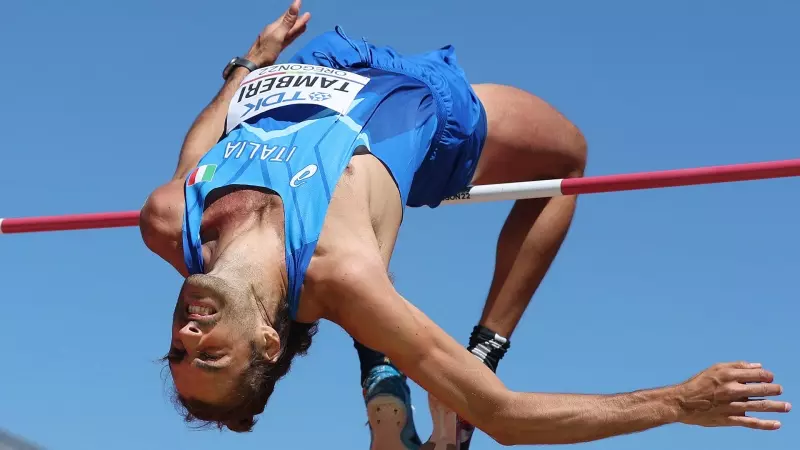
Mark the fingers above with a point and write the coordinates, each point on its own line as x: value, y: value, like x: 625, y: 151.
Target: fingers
x: 741, y: 365
x: 750, y: 375
x: 759, y: 406
x: 289, y: 18
x: 293, y: 23
x: 749, y: 380
x: 294, y: 33
x: 299, y: 26
x: 739, y: 409
x: 756, y: 390
x: 303, y: 20
x: 752, y: 422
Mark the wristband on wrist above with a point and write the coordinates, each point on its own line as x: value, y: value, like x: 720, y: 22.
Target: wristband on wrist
x: 238, y: 62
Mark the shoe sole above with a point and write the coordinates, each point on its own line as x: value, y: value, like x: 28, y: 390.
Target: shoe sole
x: 445, y: 428
x: 387, y: 418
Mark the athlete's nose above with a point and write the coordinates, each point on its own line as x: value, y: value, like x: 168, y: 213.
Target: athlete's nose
x: 190, y: 335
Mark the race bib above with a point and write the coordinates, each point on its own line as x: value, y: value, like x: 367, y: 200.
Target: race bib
x: 291, y: 84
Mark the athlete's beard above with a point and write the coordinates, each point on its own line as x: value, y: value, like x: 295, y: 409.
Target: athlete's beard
x: 207, y: 288
x: 248, y: 282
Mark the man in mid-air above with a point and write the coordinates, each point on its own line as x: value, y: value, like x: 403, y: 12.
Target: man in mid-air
x: 284, y: 210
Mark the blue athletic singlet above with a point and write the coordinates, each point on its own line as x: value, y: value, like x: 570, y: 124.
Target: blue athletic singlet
x: 292, y: 128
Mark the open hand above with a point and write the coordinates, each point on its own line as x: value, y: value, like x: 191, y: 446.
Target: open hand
x: 722, y: 395
x: 278, y: 35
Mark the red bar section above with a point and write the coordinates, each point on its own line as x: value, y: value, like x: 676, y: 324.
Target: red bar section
x: 70, y: 222
x: 681, y: 177
x: 571, y: 186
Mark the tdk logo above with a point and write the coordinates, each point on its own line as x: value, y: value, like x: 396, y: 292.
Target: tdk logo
x: 284, y: 97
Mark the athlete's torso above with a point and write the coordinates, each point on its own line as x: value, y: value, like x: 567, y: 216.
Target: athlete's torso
x: 365, y: 211
x: 293, y: 129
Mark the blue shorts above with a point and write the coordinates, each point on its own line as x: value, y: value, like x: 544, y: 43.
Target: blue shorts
x: 429, y: 127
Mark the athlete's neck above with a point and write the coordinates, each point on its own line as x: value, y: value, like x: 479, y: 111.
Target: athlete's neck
x: 244, y: 244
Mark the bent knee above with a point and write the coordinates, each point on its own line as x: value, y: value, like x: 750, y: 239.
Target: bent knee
x: 575, y: 150
x: 531, y: 134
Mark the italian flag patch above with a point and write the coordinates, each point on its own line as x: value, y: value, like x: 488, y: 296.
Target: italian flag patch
x: 201, y: 174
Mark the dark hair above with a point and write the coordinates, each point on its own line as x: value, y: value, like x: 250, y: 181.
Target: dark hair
x: 256, y: 383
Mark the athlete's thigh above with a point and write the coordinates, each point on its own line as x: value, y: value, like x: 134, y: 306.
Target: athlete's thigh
x: 527, y: 138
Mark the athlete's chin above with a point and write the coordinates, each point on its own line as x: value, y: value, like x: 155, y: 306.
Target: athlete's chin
x: 208, y: 293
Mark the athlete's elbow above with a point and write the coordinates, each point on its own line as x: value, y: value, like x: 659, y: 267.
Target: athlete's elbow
x: 508, y: 437
x: 504, y: 435
x: 151, y: 218
x: 160, y: 219
x: 510, y: 422
x: 498, y: 431
x: 493, y: 418
x: 148, y: 223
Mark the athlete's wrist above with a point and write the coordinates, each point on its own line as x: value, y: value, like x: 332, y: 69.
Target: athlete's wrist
x: 237, y: 75
x: 259, y: 59
x: 668, y: 400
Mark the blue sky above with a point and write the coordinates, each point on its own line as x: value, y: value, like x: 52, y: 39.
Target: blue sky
x: 650, y: 286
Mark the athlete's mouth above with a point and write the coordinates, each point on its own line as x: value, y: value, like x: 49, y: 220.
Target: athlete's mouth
x: 200, y: 311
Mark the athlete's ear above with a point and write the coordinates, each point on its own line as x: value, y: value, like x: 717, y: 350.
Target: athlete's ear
x: 270, y: 341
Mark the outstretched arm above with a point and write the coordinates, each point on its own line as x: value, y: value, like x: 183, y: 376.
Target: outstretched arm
x: 377, y: 316
x: 209, y: 126
x: 161, y: 216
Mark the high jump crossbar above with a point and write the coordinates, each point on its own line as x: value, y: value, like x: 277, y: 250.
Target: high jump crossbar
x: 477, y: 194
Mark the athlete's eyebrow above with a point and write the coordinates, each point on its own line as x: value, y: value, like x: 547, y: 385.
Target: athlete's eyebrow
x: 202, y: 365
x: 177, y: 355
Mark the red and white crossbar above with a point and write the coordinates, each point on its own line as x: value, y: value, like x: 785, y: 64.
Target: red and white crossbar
x: 485, y: 193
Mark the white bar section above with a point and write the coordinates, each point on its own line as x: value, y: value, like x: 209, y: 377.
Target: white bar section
x: 1, y: 226
x: 508, y: 191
